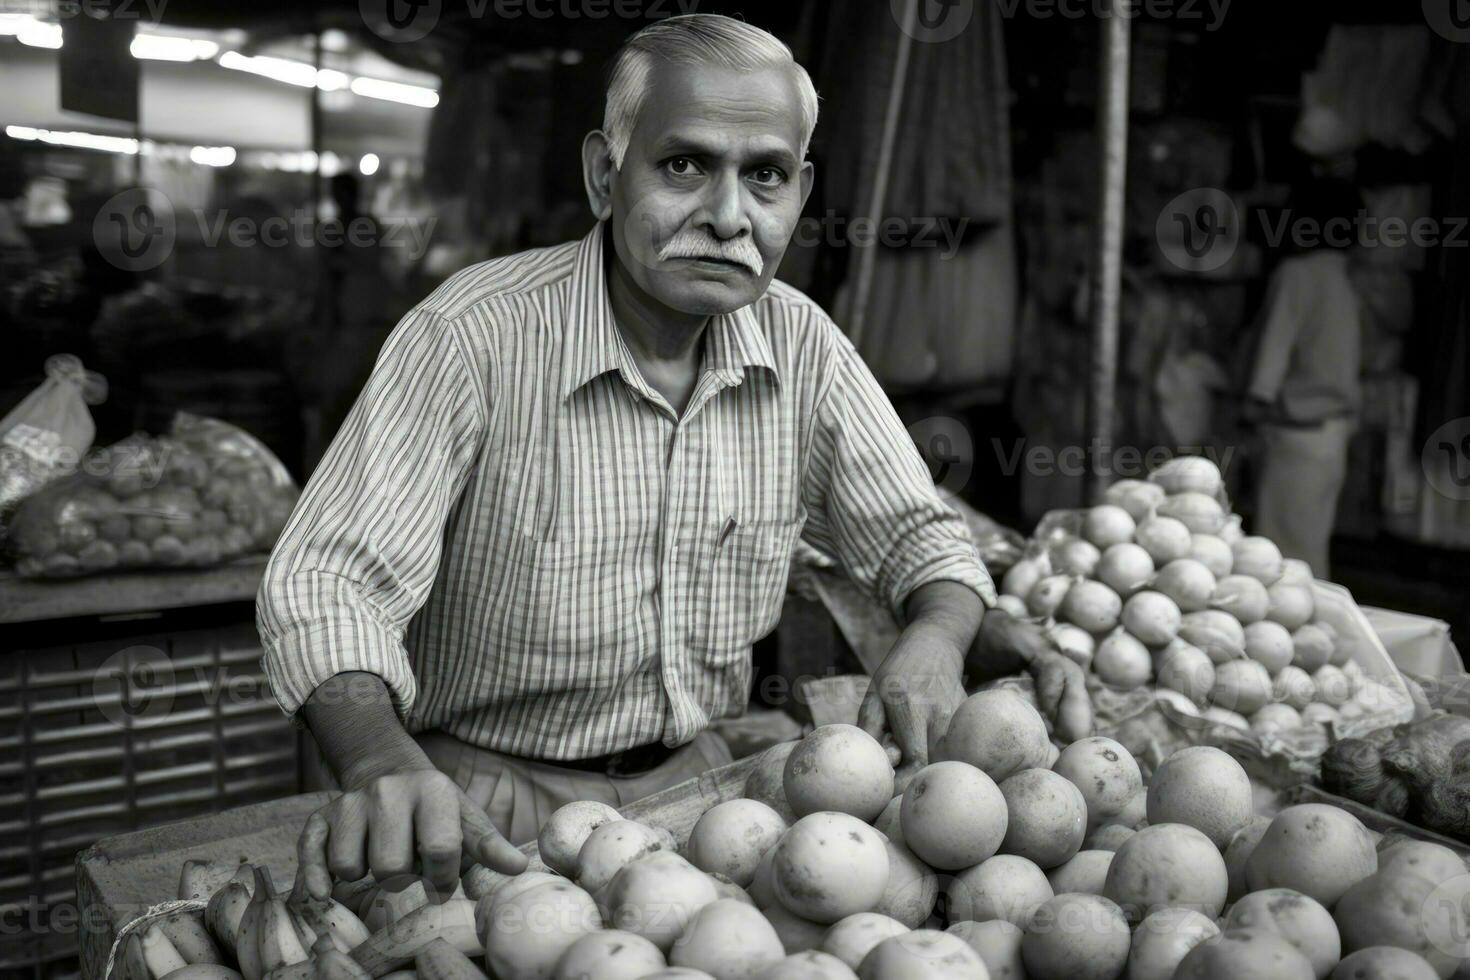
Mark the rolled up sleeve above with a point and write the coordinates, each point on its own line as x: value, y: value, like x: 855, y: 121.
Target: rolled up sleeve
x: 361, y: 550
x: 871, y: 502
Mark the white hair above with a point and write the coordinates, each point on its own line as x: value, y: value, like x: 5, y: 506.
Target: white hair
x: 694, y: 39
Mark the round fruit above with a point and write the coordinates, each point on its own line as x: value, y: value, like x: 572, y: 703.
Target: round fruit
x: 1163, y: 939
x: 1317, y: 713
x: 1314, y: 848
x: 1433, y: 861
x: 563, y: 913
x: 610, y: 847
x: 1294, y: 686
x: 1384, y: 963
x: 1299, y: 920
x: 1164, y: 538
x: 1079, y: 937
x: 1275, y: 718
x: 1046, y: 596
x: 830, y: 865
x: 1213, y: 553
x: 1259, y: 558
x: 999, y: 944
x: 1121, y: 661
x: 888, y: 823
x: 1047, y: 817
x: 1137, y: 497
x: 1270, y: 644
x: 1108, y: 837
x: 1290, y: 605
x: 1333, y: 686
x: 1104, y: 771
x: 1189, y: 474
x: 728, y: 940
x: 1245, y: 954
x: 1187, y: 669
x: 609, y: 954
x: 1107, y: 524
x: 912, y: 888
x: 1242, y: 686
x: 1006, y: 886
x: 1199, y: 513
x: 797, y: 934
x: 1408, y: 911
x: 998, y: 732
x: 1135, y: 812
x: 1238, y: 852
x: 1311, y: 647
x: 810, y: 965
x: 1092, y: 606
x: 1075, y: 557
x: 1125, y: 568
x: 1012, y: 605
x: 953, y: 815
x: 1086, y: 872
x: 923, y: 953
x: 1224, y: 716
x: 1188, y: 582
x: 762, y: 888
x: 1241, y: 596
x: 658, y: 895
x: 839, y: 768
x: 1075, y: 643
x: 566, y: 830
x: 1167, y: 864
x: 1152, y: 617
x: 1203, y: 787
x: 1022, y: 577
x: 766, y: 782
x: 731, y: 837
x: 1216, y: 632
x: 852, y: 938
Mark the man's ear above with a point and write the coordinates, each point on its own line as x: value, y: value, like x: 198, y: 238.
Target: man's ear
x: 808, y: 179
x: 597, y: 173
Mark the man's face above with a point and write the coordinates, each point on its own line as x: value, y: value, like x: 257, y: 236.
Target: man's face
x: 711, y: 186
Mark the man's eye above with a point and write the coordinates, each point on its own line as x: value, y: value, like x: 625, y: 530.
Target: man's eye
x: 768, y: 177
x: 682, y: 167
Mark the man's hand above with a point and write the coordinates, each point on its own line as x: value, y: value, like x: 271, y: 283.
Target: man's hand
x: 1008, y: 643
x: 915, y: 690
x: 401, y: 823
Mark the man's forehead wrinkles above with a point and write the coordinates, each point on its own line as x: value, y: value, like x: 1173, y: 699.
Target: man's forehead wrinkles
x: 723, y: 142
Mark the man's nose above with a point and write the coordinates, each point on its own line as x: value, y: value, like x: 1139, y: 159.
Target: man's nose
x: 724, y: 211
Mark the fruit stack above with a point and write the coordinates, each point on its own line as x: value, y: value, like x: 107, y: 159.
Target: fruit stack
x: 1159, y: 584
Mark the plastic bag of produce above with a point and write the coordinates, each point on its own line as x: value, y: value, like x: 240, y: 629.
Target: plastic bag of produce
x: 205, y: 493
x: 43, y: 438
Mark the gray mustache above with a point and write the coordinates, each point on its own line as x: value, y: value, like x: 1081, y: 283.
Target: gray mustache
x: 738, y: 250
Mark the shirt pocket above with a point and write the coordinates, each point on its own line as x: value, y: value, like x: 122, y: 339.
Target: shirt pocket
x: 740, y: 582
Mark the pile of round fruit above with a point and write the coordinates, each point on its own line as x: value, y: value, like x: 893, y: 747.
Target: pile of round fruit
x: 1160, y: 584
x: 1006, y: 858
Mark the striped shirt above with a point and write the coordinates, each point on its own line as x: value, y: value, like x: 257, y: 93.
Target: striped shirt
x: 540, y: 557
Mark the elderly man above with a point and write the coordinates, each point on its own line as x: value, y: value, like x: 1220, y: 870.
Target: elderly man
x: 564, y: 505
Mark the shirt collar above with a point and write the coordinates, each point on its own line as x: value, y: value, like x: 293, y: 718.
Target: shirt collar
x: 592, y: 345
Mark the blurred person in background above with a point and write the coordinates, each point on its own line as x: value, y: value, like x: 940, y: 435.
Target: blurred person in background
x: 1304, y: 390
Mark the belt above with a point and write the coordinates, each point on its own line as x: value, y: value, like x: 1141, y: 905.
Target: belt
x: 629, y: 762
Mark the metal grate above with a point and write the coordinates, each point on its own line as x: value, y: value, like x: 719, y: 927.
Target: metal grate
x: 139, y: 726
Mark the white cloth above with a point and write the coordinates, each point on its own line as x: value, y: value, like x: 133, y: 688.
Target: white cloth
x: 1302, y: 475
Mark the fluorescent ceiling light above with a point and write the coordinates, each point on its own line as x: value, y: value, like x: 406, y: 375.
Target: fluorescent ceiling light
x: 377, y: 88
x: 39, y: 34
x: 278, y: 69
x: 166, y: 47
x: 85, y: 141
x: 213, y: 156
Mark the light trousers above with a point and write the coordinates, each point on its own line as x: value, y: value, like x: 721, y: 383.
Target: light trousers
x: 1301, y: 478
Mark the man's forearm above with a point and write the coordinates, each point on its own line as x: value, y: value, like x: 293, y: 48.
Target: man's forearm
x: 352, y: 718
x: 947, y: 611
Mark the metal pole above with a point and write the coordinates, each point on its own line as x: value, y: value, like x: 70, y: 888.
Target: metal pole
x: 1107, y: 254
